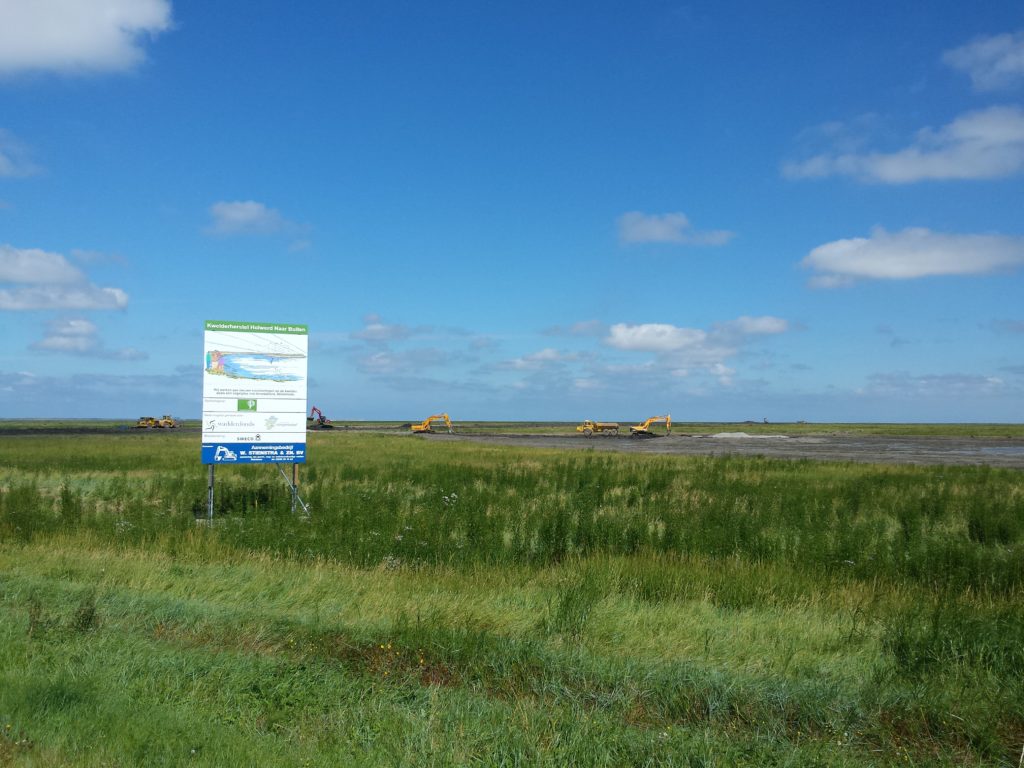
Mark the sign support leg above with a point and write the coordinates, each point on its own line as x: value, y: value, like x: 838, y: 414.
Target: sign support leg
x: 209, y: 497
x: 295, y: 485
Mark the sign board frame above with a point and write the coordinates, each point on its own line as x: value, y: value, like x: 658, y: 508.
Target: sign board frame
x: 254, y: 392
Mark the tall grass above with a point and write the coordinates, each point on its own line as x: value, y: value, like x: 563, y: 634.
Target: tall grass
x: 848, y: 604
x: 402, y: 501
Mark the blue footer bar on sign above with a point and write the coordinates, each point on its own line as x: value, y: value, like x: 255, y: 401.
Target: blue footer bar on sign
x: 254, y: 453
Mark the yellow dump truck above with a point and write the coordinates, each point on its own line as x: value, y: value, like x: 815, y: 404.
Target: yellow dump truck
x: 590, y: 428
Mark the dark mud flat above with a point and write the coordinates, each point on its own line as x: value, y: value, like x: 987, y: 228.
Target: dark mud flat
x: 1006, y: 452
x: 90, y: 430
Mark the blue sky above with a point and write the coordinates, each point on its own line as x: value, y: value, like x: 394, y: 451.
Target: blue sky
x: 727, y: 210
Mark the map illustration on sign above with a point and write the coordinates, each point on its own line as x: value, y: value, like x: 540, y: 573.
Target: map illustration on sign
x: 253, y: 365
x: 254, y: 392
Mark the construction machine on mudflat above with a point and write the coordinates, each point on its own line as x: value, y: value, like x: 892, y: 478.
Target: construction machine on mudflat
x: 427, y: 425
x: 644, y: 429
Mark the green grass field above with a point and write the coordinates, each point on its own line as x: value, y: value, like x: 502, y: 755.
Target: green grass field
x: 15, y: 426
x: 455, y: 603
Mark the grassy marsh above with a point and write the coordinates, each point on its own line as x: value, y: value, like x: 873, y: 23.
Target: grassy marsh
x: 449, y: 603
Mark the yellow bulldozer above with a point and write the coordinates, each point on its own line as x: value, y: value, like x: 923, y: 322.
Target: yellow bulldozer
x: 644, y: 430
x: 427, y: 425
x: 152, y: 422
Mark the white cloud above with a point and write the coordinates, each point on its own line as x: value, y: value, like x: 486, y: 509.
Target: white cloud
x: 387, y: 352
x: 638, y: 227
x: 582, y: 328
x: 79, y: 337
x: 985, y: 144
x: 77, y: 35
x: 654, y: 337
x: 32, y: 279
x: 62, y: 297
x: 381, y: 363
x: 14, y: 157
x: 536, y: 361
x: 681, y: 350
x: 843, y: 137
x: 547, y: 355
x: 32, y: 265
x: 118, y: 394
x: 723, y: 372
x: 405, y: 362
x: 755, y: 326
x: 69, y: 336
x: 245, y: 217
x: 944, y: 386
x: 830, y: 281
x: 993, y: 62
x: 377, y: 331
x: 84, y: 256
x: 587, y: 328
x: 909, y: 254
x: 76, y: 328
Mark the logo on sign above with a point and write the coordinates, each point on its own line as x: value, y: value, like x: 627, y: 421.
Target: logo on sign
x: 224, y: 454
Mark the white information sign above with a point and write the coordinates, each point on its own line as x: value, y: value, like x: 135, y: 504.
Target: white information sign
x: 254, y: 392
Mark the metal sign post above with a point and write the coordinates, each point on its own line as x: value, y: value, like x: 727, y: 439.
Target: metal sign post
x: 294, y: 485
x: 209, y: 497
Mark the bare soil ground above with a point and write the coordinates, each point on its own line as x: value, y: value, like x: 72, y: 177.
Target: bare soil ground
x: 879, y: 449
x: 996, y: 452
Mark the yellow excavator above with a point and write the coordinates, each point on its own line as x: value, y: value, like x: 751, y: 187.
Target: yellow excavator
x: 428, y: 424
x: 644, y: 430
